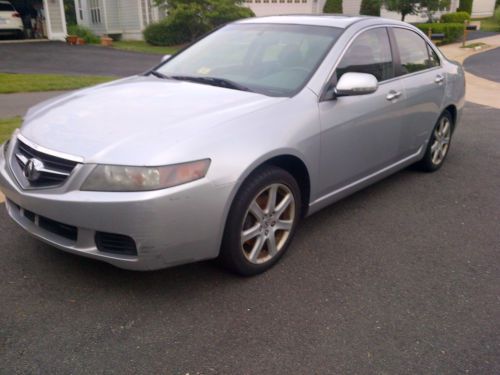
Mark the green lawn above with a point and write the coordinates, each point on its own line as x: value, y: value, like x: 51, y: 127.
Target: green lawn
x: 488, y: 24
x: 474, y: 45
x: 7, y: 126
x: 11, y: 83
x: 141, y: 46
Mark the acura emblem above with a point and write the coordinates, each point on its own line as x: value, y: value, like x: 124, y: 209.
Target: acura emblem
x: 33, y: 169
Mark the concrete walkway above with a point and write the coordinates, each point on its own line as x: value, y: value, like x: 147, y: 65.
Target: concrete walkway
x: 479, y: 90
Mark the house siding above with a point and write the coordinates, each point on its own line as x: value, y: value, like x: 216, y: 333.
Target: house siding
x: 274, y: 7
x: 117, y: 17
x: 56, y: 20
x: 483, y: 8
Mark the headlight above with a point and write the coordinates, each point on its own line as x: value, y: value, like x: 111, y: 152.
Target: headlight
x: 121, y: 178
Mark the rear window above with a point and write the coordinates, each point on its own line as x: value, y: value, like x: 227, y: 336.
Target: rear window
x: 6, y: 7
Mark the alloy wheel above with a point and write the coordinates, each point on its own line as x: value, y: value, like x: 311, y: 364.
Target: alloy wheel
x: 442, y: 136
x: 268, y: 223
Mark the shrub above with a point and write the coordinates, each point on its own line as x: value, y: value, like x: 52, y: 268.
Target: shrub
x: 457, y: 17
x: 452, y: 31
x: 497, y: 14
x: 333, y: 6
x: 84, y: 33
x: 370, y: 7
x: 465, y: 6
x: 164, y: 33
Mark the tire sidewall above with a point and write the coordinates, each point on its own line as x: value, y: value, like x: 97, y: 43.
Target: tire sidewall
x: 231, y: 252
x: 427, y: 163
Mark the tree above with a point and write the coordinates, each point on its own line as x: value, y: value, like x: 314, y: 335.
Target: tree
x: 465, y: 6
x: 193, y: 18
x: 404, y: 7
x: 333, y: 6
x: 371, y: 7
x: 432, y: 6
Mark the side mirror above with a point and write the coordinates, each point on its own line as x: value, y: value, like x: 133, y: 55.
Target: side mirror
x: 165, y: 58
x: 356, y: 84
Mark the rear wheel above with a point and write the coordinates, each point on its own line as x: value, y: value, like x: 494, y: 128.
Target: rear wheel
x: 262, y: 221
x: 439, y: 144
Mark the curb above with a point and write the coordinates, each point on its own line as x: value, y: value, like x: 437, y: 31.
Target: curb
x: 479, y: 90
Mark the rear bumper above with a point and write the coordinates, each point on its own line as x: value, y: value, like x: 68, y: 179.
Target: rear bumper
x: 11, y: 28
x: 170, y: 227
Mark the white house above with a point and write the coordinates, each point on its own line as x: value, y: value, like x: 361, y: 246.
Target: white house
x: 125, y: 17
x: 480, y: 8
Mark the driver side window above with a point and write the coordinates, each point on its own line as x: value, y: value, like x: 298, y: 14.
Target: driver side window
x: 369, y: 53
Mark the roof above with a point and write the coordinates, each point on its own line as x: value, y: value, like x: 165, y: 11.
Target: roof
x: 340, y: 21
x: 317, y: 20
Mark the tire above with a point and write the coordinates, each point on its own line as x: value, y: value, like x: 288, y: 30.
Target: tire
x: 439, y: 144
x: 265, y: 224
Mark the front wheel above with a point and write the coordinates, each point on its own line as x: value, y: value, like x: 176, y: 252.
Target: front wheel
x: 439, y: 144
x: 261, y: 222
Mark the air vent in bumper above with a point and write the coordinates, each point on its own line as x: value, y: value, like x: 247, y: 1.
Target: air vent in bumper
x: 115, y: 243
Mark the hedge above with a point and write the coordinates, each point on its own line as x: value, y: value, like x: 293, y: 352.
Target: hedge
x: 452, y: 31
x: 164, y: 33
x: 457, y: 17
x: 333, y: 6
x: 370, y: 7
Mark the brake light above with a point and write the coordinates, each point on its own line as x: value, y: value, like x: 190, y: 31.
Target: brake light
x: 16, y: 14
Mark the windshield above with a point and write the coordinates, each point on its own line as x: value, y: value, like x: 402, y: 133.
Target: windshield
x: 272, y: 59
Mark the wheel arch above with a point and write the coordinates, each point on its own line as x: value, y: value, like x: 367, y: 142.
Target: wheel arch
x: 290, y: 161
x: 453, y: 111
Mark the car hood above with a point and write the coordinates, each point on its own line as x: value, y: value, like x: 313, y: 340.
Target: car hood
x: 124, y: 121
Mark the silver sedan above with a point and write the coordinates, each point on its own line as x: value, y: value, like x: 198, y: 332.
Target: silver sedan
x: 221, y: 149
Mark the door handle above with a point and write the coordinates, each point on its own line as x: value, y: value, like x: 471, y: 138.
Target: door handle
x: 393, y: 95
x: 439, y: 78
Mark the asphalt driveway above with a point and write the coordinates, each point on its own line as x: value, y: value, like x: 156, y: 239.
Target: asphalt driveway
x: 61, y: 58
x: 485, y: 65
x: 401, y: 278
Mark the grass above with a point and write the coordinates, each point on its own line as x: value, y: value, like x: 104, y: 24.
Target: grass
x: 488, y: 24
x: 12, y: 83
x: 141, y: 46
x: 7, y: 126
x: 474, y: 45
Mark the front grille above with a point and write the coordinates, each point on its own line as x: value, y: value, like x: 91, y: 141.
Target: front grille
x: 51, y: 170
x: 63, y: 230
x: 115, y: 243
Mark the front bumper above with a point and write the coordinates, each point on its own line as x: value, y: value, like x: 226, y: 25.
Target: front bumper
x: 173, y: 226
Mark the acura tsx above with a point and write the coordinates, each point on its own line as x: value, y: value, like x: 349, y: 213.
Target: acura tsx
x: 221, y: 149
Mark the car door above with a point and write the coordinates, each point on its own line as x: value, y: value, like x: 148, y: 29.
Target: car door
x: 361, y: 134
x: 423, y: 80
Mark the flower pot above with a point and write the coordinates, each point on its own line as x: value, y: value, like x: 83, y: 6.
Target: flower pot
x: 105, y: 41
x: 80, y: 41
x: 71, y: 39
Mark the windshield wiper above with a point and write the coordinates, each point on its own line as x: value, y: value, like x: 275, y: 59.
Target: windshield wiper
x: 214, y: 81
x: 158, y: 74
